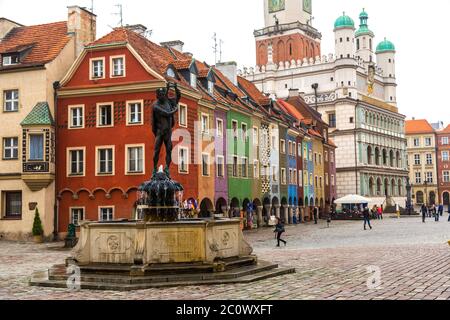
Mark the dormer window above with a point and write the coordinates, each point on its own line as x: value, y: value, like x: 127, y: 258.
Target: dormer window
x: 118, y: 66
x: 211, y: 87
x: 9, y: 60
x: 171, y: 73
x: 193, y: 80
x: 97, y: 68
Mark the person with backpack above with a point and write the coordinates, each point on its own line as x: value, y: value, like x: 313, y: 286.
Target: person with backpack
x: 279, y: 230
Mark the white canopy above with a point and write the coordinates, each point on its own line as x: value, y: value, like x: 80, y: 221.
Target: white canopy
x: 352, y: 199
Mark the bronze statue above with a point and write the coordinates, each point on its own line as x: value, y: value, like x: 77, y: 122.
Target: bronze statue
x: 163, y: 121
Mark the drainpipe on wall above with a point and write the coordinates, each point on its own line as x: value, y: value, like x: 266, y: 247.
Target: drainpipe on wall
x: 56, y: 86
x: 356, y: 150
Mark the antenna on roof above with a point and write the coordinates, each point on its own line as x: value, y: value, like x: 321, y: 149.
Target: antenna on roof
x: 215, y: 47
x: 220, y: 49
x: 92, y: 6
x: 120, y: 14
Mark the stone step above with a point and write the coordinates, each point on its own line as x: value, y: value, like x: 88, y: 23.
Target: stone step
x: 60, y: 275
x: 40, y: 281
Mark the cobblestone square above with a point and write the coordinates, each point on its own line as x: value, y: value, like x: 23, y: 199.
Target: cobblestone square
x: 411, y: 259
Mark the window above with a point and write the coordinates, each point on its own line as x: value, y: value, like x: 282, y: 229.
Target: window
x: 171, y: 73
x: 283, y: 176
x: 332, y: 120
x: 282, y: 146
x: 320, y: 158
x: 135, y: 159
x: 333, y: 182
x: 430, y: 177
x: 305, y: 153
x: 427, y: 142
x: 429, y: 159
x: 310, y: 155
x: 182, y: 116
x: 299, y: 147
x: 36, y: 147
x: 12, y: 204
x: 416, y: 142
x: 76, y: 215
x: 326, y: 156
x: 105, y: 161
x: 255, y: 136
x: 11, y: 100
x: 332, y: 157
x: 446, y: 176
x: 183, y: 160
x: 316, y: 181
x: 327, y: 182
x: 117, y: 66
x: 445, y: 156
x: 417, y: 159
x: 321, y: 182
x: 244, y: 167
x: 315, y: 158
x: 134, y: 112
x: 104, y: 115
x: 256, y: 169
x: 76, y: 162
x: 290, y: 178
x: 294, y: 176
x: 193, y: 81
x: 97, y: 68
x: 10, y: 148
x: 235, y: 166
x: 351, y: 120
x: 76, y: 116
x: 274, y: 174
x: 220, y: 166
x: 244, y: 132
x: 294, y: 149
x: 219, y: 127
x: 205, y: 124
x: 205, y: 165
x: 290, y: 147
x: 9, y: 60
x: 311, y: 179
x: 418, y: 177
x: 300, y: 178
x: 444, y: 140
x: 106, y: 214
x: 234, y: 126
x: 211, y: 87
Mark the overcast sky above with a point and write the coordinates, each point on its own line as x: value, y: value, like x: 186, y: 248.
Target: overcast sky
x: 419, y: 30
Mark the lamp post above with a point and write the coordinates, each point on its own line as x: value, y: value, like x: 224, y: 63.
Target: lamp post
x: 409, y: 204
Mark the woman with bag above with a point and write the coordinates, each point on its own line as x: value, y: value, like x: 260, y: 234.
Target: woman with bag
x: 279, y: 230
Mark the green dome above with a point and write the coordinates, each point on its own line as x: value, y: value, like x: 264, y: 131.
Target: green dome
x: 344, y: 22
x: 385, y: 46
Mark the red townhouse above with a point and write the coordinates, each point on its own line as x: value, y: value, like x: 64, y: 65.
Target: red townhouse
x: 104, y: 137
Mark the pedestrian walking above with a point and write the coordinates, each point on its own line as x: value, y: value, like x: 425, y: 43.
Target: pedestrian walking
x: 316, y: 215
x: 279, y: 230
x: 424, y: 211
x: 436, y: 217
x: 397, y: 209
x: 366, y: 215
x: 441, y: 210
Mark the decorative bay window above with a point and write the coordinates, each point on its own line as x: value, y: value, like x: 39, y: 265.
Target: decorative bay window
x: 38, y: 148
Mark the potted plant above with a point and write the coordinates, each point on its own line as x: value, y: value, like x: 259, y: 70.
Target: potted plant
x: 38, y: 231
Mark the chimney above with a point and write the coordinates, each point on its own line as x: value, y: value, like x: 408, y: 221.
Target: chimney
x: 137, y: 28
x: 83, y: 24
x: 229, y: 69
x: 6, y: 26
x: 177, y: 45
x: 294, y: 93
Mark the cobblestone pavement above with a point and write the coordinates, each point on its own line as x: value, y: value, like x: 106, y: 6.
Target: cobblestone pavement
x: 411, y: 258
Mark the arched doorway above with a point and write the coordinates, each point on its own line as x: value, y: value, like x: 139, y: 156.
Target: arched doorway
x: 400, y: 187
x: 393, y: 188
x: 432, y: 198
x: 266, y: 210
x: 446, y: 198
x: 369, y: 155
x: 235, y: 207
x: 386, y: 187
x: 221, y: 206
x: 275, y: 206
x: 206, y: 208
x: 284, y: 210
x: 379, y: 187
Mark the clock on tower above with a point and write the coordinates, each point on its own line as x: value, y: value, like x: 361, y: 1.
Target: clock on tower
x: 307, y: 6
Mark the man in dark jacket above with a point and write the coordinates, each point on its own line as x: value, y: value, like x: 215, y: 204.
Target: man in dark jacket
x: 424, y: 210
x: 366, y: 214
x: 279, y: 230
